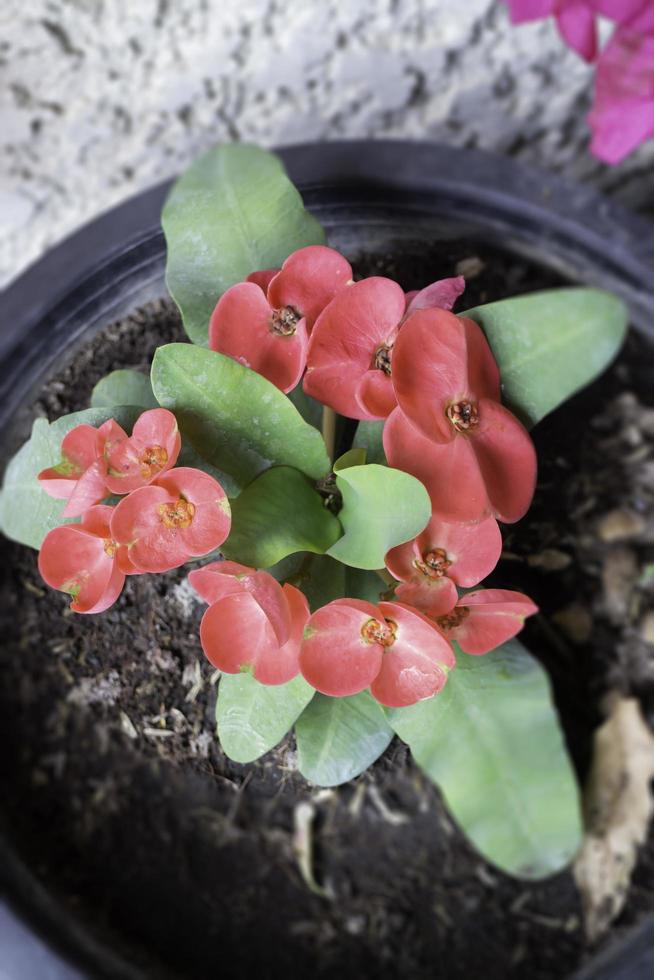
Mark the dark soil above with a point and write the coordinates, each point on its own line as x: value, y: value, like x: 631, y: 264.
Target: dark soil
x: 119, y: 797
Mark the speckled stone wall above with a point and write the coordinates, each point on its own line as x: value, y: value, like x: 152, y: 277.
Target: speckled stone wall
x: 101, y: 98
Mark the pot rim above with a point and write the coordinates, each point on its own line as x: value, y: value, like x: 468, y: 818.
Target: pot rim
x: 587, y: 236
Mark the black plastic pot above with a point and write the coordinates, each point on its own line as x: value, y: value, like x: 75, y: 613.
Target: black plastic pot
x: 368, y: 196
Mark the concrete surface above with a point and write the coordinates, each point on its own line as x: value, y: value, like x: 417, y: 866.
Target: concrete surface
x: 101, y: 98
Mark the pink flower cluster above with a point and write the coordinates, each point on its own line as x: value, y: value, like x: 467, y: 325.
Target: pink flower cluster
x: 167, y: 515
x: 622, y: 116
x: 369, y: 351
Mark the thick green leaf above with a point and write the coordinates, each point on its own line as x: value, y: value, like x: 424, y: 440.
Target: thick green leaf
x: 278, y: 514
x: 252, y: 718
x: 368, y: 435
x: 353, y: 457
x: 27, y: 513
x: 233, y: 212
x: 492, y: 742
x: 124, y: 387
x: 550, y: 344
x: 308, y: 407
x: 382, y: 507
x: 235, y: 419
x: 363, y: 584
x: 338, y: 738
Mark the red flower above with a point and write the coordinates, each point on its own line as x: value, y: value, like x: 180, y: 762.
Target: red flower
x: 350, y: 351
x: 265, y: 322
x: 441, y: 557
x: 84, y: 561
x: 252, y: 623
x: 449, y: 429
x: 483, y: 620
x: 183, y: 514
x: 150, y: 451
x: 81, y: 476
x: 98, y: 462
x: 350, y: 645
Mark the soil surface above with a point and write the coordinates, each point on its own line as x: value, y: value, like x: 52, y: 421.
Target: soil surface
x: 118, y: 795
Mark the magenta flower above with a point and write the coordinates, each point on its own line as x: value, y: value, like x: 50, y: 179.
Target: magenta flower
x: 265, y: 322
x: 443, y: 556
x: 350, y: 645
x: 351, y: 348
x: 622, y: 116
x: 183, y: 514
x: 86, y: 562
x: 575, y: 20
x: 252, y: 623
x: 150, y: 451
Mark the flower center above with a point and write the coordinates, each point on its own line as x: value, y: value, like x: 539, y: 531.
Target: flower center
x: 177, y: 515
x: 284, y: 321
x: 434, y: 563
x: 375, y: 632
x: 110, y: 547
x: 152, y: 460
x: 452, y: 619
x: 382, y: 358
x: 463, y: 415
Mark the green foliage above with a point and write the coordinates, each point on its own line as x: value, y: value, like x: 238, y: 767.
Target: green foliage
x: 492, y: 742
x: 124, y: 387
x: 278, y: 514
x: 338, y: 738
x: 27, y: 513
x: 550, y: 344
x: 233, y: 212
x: 234, y: 418
x: 253, y: 718
x: 368, y: 435
x: 382, y: 507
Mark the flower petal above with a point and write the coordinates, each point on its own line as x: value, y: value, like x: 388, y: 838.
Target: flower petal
x: 449, y: 471
x: 375, y: 394
x: 576, y: 24
x: 441, y: 294
x: 262, y: 278
x: 359, y: 320
x: 334, y: 656
x: 493, y: 617
x: 439, y: 359
x: 235, y: 633
x: 308, y: 280
x: 90, y: 489
x: 222, y: 578
x: 73, y: 560
x: 211, y: 520
x: 241, y: 327
x: 416, y: 665
x: 433, y: 596
x: 525, y: 10
x: 284, y: 664
x: 507, y: 461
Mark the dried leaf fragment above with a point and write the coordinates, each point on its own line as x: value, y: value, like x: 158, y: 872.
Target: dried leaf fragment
x: 618, y: 805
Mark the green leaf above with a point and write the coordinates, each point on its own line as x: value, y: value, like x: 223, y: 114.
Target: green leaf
x: 278, y: 514
x: 252, y: 718
x: 322, y: 579
x: 550, y: 344
x: 353, y: 457
x: 27, y: 513
x: 382, y: 507
x: 308, y: 407
x: 368, y: 435
x: 124, y: 387
x: 235, y: 419
x: 362, y: 584
x: 233, y: 212
x: 491, y: 741
x: 338, y: 738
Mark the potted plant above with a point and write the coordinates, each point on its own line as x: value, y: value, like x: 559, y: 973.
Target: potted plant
x: 306, y: 528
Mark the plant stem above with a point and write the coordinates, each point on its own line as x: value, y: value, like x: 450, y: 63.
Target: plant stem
x: 329, y: 430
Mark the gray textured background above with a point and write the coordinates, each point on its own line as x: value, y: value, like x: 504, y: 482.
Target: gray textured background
x: 101, y: 98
